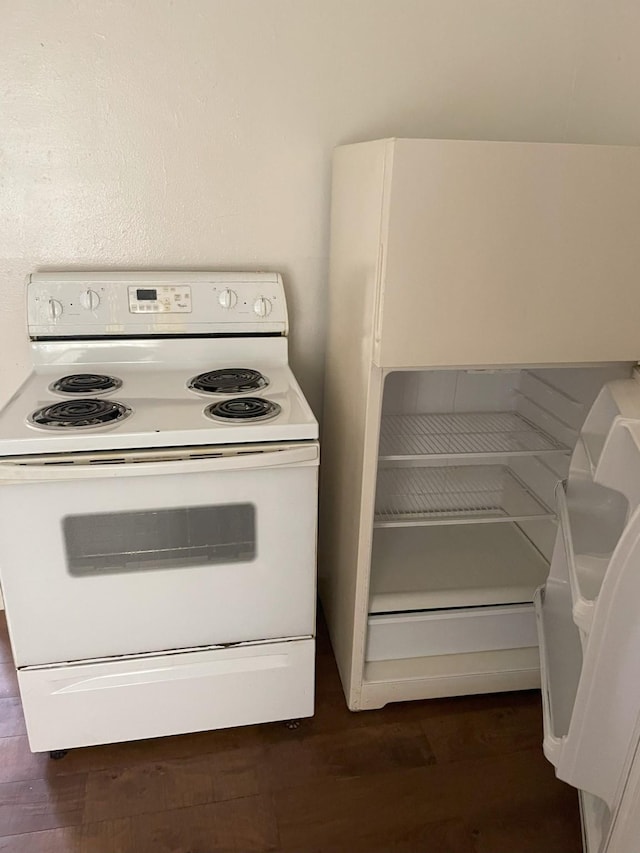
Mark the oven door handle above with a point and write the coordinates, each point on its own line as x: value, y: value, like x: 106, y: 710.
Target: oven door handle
x: 307, y: 455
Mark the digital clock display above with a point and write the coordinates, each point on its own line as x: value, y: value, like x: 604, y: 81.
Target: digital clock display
x: 150, y: 295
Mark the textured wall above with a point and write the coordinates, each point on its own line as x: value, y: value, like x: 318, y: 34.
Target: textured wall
x: 198, y: 133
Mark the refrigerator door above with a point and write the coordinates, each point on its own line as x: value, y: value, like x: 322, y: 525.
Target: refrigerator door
x: 588, y: 623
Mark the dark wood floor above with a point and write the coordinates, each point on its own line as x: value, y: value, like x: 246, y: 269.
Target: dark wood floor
x: 447, y: 776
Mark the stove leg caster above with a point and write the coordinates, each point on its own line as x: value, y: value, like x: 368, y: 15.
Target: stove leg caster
x: 292, y: 724
x: 57, y: 754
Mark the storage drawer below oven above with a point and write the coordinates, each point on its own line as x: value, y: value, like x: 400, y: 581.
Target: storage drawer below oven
x: 156, y: 695
x: 446, y: 632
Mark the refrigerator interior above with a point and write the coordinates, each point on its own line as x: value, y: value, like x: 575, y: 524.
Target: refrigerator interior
x: 465, y: 519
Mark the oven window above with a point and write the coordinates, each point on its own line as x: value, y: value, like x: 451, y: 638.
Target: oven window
x: 112, y: 542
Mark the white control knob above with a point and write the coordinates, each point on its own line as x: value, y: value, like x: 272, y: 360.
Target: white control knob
x: 54, y: 309
x: 262, y: 306
x: 90, y: 300
x: 227, y: 298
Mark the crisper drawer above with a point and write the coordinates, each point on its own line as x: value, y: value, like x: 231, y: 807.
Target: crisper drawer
x: 447, y: 632
x: 157, y: 695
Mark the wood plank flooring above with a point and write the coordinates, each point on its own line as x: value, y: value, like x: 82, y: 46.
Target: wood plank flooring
x: 445, y: 776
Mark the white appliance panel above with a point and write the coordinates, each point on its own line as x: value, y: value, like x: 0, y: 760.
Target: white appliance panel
x: 505, y: 253
x: 394, y: 636
x: 176, y: 418
x: 64, y: 601
x: 154, y: 696
x: 183, y: 303
x: 155, y: 376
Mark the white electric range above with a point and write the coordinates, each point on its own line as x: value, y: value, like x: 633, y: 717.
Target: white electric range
x: 158, y: 496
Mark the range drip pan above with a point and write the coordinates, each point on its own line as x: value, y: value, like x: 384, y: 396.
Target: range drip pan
x: 243, y: 409
x: 85, y: 383
x: 228, y: 380
x: 79, y: 414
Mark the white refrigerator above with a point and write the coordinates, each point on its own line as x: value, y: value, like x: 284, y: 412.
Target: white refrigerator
x: 481, y: 463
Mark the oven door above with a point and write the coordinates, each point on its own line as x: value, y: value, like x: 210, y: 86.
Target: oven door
x: 117, y: 554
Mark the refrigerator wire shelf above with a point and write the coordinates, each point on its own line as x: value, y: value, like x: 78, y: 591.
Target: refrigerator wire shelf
x: 471, y: 433
x: 454, y: 494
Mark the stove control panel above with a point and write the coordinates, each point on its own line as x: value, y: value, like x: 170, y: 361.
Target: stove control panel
x: 108, y: 304
x: 161, y: 299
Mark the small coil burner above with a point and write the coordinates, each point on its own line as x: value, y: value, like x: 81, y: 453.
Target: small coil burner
x: 79, y: 414
x: 85, y: 383
x: 243, y: 409
x: 228, y: 380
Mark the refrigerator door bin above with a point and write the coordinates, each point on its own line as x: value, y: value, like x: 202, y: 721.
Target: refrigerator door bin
x: 617, y: 399
x: 619, y: 463
x: 595, y: 818
x: 591, y: 520
x: 560, y: 663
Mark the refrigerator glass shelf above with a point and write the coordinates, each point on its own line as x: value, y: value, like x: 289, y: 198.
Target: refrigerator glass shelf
x: 436, y: 567
x: 471, y: 433
x: 453, y: 495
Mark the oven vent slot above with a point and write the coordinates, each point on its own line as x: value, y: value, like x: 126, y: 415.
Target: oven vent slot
x: 205, y: 455
x: 135, y: 460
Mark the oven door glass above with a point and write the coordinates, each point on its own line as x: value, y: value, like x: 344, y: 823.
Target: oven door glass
x: 105, y: 560
x: 162, y: 538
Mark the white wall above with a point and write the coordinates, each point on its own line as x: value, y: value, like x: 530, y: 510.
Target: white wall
x: 198, y: 133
